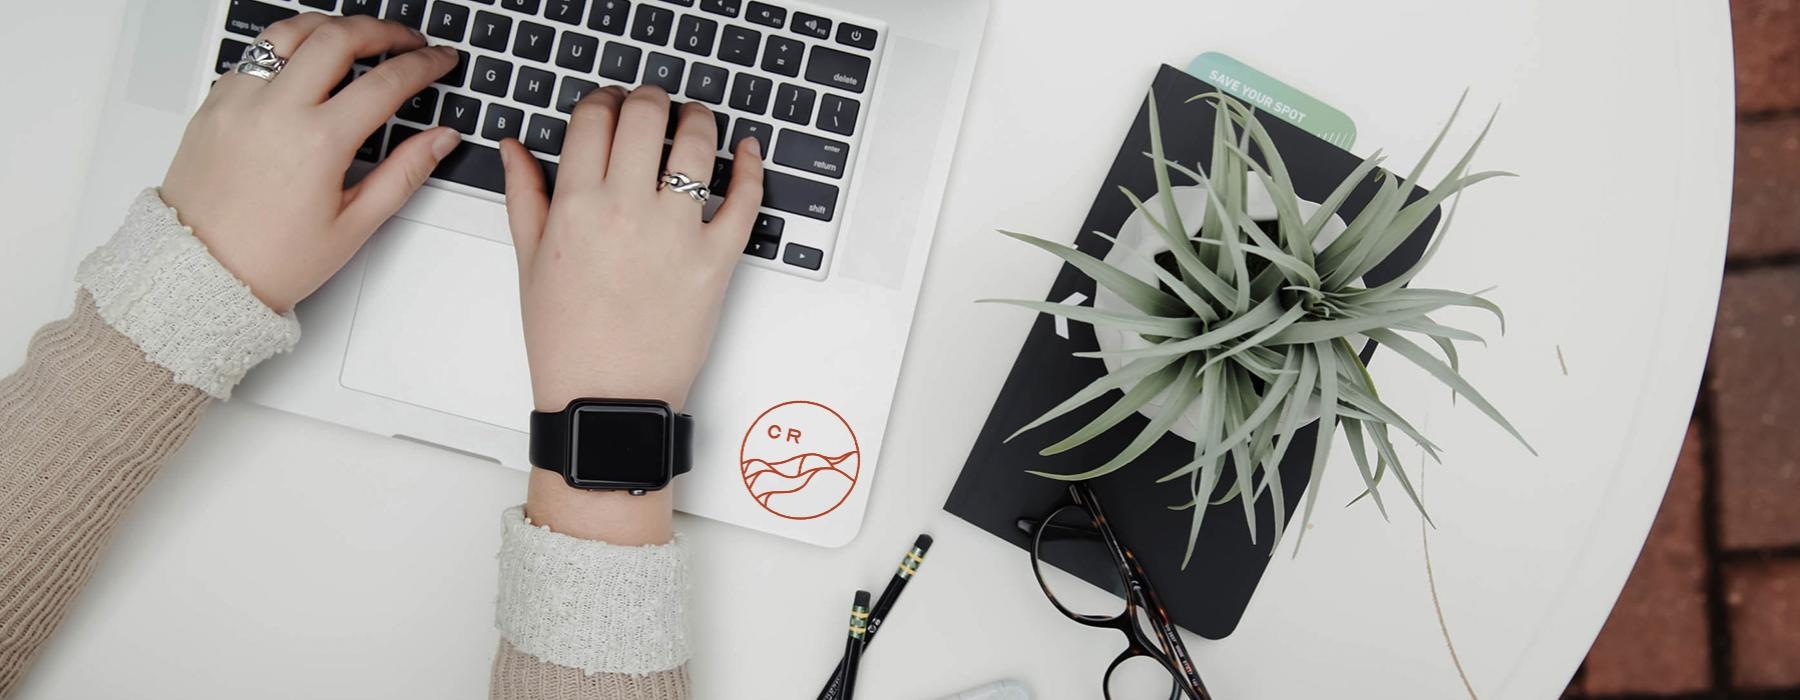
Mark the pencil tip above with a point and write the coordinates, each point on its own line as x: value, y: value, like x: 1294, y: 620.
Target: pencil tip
x: 923, y: 543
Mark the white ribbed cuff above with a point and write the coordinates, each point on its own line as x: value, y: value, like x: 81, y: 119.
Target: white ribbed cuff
x: 598, y: 607
x: 155, y: 283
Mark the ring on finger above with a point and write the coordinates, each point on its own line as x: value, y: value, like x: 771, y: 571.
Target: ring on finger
x: 680, y: 182
x: 260, y: 60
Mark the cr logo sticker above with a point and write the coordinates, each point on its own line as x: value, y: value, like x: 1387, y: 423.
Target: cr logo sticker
x: 800, y: 460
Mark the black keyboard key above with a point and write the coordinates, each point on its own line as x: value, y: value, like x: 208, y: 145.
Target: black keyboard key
x: 812, y: 153
x: 326, y: 5
x: 752, y: 129
x: 408, y: 12
x: 766, y: 15
x: 455, y: 77
x: 533, y: 41
x: 420, y: 107
x: 571, y: 92
x: 782, y: 55
x: 738, y: 45
x: 370, y: 150
x: 534, y: 86
x: 549, y: 176
x: 653, y: 24
x: 798, y: 195
x: 396, y: 135
x: 529, y: 7
x: 683, y: 3
x: 811, y: 25
x: 620, y: 62
x: 838, y: 69
x: 232, y: 50
x: 250, y: 18
x: 502, y: 122
x: 860, y: 37
x: 761, y: 247
x: 448, y: 21
x: 460, y: 112
x: 664, y: 71
x: 721, y: 175
x: 719, y: 120
x: 545, y: 134
x: 767, y: 226
x: 577, y: 51
x: 803, y: 256
x: 492, y: 29
x: 838, y: 114
x: 492, y: 76
x: 609, y: 16
x: 695, y: 35
x: 472, y: 164
x: 361, y: 7
x: 565, y: 11
x: 729, y: 8
x: 706, y: 83
x: 750, y: 93
x: 794, y: 103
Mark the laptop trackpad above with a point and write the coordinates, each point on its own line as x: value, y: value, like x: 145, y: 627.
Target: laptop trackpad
x: 437, y: 325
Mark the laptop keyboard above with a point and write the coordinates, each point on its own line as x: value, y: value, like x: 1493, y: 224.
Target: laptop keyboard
x: 797, y: 80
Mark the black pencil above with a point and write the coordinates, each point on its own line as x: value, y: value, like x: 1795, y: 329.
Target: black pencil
x: 909, y: 567
x: 853, y: 646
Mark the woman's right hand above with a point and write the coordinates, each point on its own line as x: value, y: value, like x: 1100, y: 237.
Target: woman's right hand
x: 619, y: 279
x: 620, y: 282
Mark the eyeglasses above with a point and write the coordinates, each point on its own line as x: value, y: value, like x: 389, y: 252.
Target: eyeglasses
x: 1076, y: 539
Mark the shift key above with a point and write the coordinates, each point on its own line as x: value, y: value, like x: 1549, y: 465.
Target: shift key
x: 808, y: 152
x: 798, y: 195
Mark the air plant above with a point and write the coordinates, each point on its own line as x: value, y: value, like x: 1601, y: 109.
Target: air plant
x: 1254, y: 333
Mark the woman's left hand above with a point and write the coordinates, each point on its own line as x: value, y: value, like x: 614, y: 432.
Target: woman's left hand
x: 260, y: 173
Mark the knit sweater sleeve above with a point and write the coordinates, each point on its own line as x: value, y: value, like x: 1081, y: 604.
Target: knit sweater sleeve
x: 105, y: 396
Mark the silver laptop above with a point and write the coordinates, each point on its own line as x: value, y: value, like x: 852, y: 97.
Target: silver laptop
x: 857, y: 104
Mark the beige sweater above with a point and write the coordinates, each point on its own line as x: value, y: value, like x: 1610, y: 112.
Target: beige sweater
x: 106, y: 395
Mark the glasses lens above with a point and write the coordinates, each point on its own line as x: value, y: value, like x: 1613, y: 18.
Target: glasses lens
x: 1076, y: 567
x: 1140, y: 678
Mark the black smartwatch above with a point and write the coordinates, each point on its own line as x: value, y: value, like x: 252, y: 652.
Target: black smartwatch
x: 613, y: 444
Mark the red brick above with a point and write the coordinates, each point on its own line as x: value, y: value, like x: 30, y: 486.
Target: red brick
x: 1655, y: 642
x: 1756, y: 399
x: 1766, y: 34
x: 1763, y: 599
x: 1765, y: 199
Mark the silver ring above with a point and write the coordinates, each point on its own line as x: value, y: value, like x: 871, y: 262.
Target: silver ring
x: 259, y: 59
x: 680, y: 182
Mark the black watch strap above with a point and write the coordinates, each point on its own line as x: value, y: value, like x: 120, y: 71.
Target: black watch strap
x: 550, y: 441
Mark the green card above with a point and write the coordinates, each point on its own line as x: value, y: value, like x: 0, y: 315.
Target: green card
x: 1272, y: 96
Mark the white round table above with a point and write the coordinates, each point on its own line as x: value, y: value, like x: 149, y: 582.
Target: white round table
x: 282, y: 557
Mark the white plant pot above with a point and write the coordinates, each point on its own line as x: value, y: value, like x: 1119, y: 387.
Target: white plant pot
x: 1134, y: 252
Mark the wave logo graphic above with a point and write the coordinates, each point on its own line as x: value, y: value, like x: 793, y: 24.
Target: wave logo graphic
x: 800, y: 460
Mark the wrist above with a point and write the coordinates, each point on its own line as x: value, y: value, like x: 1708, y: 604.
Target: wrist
x: 607, y: 516
x: 553, y: 396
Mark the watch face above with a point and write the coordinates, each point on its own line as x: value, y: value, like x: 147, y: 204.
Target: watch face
x: 621, y: 445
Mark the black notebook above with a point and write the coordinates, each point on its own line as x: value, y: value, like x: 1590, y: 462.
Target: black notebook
x: 994, y: 491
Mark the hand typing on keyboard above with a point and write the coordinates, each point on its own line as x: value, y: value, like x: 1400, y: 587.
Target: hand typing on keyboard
x: 620, y: 281
x: 259, y: 175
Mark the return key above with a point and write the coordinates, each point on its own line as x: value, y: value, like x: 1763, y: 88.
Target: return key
x: 811, y: 153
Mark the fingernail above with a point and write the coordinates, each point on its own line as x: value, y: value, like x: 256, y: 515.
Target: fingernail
x: 755, y: 147
x: 444, y: 143
x: 505, y: 156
